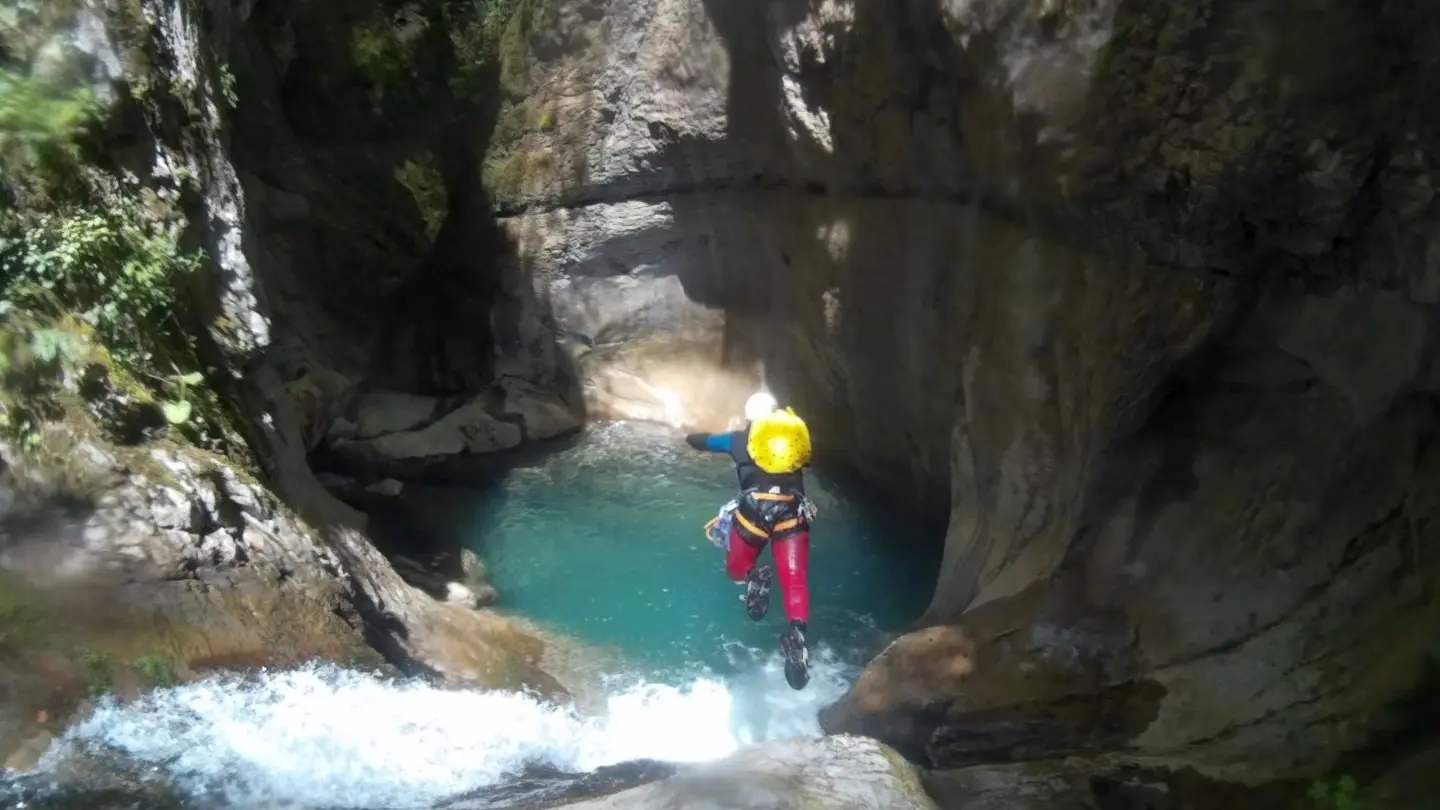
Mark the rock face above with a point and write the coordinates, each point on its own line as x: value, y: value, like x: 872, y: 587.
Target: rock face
x: 111, y: 558
x: 162, y: 549
x: 1145, y: 298
x: 834, y: 772
x: 279, y: 189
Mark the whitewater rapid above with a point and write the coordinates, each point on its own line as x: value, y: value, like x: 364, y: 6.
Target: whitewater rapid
x: 324, y: 736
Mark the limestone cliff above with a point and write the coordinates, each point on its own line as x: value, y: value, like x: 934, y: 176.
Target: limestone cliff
x: 1140, y: 296
x: 133, y: 544
x: 1143, y: 296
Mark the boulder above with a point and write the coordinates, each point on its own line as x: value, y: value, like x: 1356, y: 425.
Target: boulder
x: 395, y: 433
x: 827, y: 773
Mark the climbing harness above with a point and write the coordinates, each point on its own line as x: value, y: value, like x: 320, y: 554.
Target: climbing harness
x: 717, y: 530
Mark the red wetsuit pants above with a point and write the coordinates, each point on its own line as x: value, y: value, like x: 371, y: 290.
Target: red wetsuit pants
x: 792, y: 561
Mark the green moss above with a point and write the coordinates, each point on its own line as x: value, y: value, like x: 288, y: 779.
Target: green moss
x: 906, y: 775
x: 421, y: 177
x: 505, y: 174
x: 24, y: 621
x: 517, y: 120
x: 494, y: 42
x: 379, y: 54
x: 134, y: 35
x: 157, y: 669
x: 513, y: 164
x: 514, y: 51
x: 95, y: 667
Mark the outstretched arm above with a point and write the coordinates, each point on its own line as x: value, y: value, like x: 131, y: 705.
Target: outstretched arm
x: 710, y: 442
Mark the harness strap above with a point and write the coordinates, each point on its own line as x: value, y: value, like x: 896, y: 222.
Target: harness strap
x: 750, y: 527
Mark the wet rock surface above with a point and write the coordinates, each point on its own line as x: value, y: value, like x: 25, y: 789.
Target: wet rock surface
x: 845, y: 773
x: 114, y: 557
x: 541, y: 788
x: 832, y: 772
x: 1143, y: 298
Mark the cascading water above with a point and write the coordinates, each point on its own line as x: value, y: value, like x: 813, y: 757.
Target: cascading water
x: 603, y: 542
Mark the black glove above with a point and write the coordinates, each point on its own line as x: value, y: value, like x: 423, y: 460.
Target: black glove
x: 696, y: 440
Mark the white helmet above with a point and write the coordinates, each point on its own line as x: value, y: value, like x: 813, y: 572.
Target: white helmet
x: 758, y: 405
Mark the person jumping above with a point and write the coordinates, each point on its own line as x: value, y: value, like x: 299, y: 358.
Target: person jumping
x: 769, y: 454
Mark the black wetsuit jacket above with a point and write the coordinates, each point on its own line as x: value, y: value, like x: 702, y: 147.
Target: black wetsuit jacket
x: 751, y: 476
x: 775, y: 517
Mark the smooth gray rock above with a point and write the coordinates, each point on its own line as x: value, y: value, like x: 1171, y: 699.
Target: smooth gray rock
x: 829, y: 773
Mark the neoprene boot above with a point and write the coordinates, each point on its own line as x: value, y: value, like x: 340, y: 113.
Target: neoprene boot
x: 757, y: 591
x: 797, y: 655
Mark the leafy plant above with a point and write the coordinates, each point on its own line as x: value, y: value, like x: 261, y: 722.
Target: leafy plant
x: 128, y: 280
x: 81, y: 253
x: 177, y: 410
x: 33, y: 362
x: 38, y: 131
x: 227, y: 87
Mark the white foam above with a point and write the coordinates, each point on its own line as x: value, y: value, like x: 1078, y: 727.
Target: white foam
x: 323, y: 736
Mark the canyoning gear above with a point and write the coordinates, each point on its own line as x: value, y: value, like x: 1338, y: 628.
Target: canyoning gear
x: 717, y: 531
x: 772, y: 510
x: 796, y: 651
x: 749, y: 473
x: 757, y: 591
x: 769, y: 454
x: 779, y: 442
x: 792, y: 562
x: 770, y: 514
x: 759, y: 404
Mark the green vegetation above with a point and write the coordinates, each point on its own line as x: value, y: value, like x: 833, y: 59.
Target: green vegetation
x: 384, y: 57
x: 454, y: 55
x: 33, y: 362
x: 421, y: 177
x: 95, y: 286
x: 404, y: 57
x: 22, y: 621
x: 1341, y: 793
x: 512, y: 50
x: 227, y: 87
x: 157, y: 669
x: 505, y: 173
x: 38, y: 131
x: 95, y: 667
x: 490, y: 42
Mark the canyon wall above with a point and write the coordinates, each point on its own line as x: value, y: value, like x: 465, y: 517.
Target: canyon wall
x: 120, y: 548
x: 1143, y: 297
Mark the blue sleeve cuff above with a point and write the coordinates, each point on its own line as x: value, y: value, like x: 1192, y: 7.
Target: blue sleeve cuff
x: 718, y: 442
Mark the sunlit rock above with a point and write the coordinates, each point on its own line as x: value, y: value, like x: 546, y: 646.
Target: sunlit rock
x: 840, y: 772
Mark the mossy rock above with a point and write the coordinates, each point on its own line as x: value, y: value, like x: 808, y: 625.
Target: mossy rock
x: 906, y: 775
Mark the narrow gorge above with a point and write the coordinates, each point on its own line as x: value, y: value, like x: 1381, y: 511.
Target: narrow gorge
x: 1131, y: 304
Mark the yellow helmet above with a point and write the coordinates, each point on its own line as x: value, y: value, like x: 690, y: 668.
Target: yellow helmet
x: 779, y: 442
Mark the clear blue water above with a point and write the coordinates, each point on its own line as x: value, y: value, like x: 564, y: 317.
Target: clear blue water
x: 602, y: 541
x: 605, y: 541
